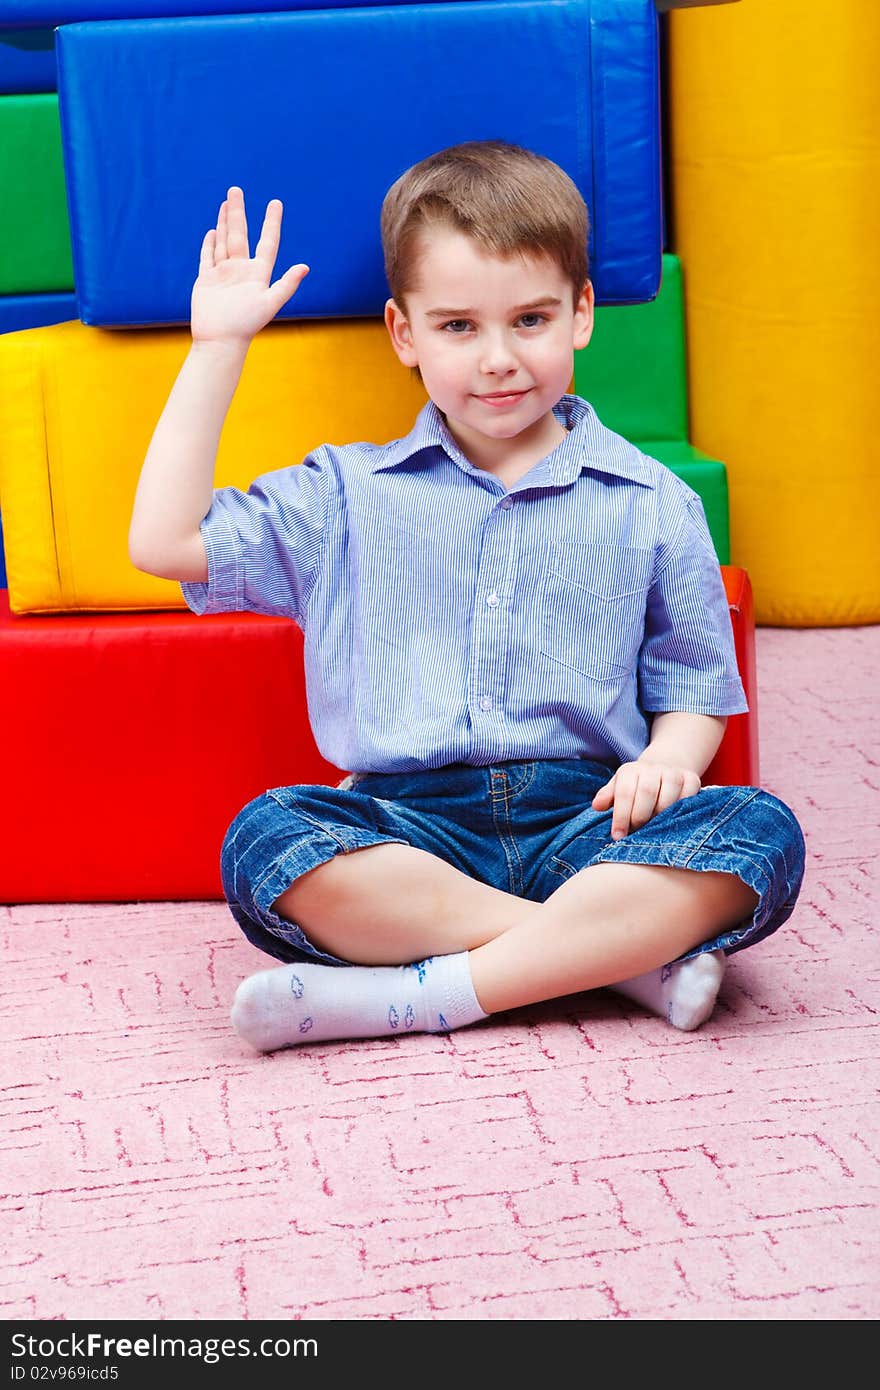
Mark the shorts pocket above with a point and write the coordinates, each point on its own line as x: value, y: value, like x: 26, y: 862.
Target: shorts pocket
x: 593, y: 607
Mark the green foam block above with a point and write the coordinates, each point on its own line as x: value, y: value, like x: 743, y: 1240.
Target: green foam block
x: 634, y: 369
x: 707, y: 477
x: 35, y: 254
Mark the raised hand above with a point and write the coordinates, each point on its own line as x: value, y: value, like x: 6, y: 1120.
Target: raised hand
x: 234, y: 296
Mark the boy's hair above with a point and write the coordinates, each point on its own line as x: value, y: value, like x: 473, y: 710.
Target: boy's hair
x: 508, y: 199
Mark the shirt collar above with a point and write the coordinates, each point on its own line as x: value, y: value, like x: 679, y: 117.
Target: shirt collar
x: 588, y: 444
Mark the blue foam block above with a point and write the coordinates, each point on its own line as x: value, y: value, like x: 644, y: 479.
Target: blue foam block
x: 35, y: 310
x: 3, y: 583
x: 27, y: 14
x: 27, y: 60
x: 324, y: 109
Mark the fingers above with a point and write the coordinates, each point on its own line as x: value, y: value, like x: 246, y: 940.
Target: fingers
x: 640, y: 791
x: 206, y: 255
x: 237, y: 232
x: 220, y: 235
x: 619, y: 793
x: 285, y: 287
x: 267, y: 246
x: 230, y: 240
x: 625, y: 793
x: 604, y: 796
x: 644, y: 800
x: 676, y: 786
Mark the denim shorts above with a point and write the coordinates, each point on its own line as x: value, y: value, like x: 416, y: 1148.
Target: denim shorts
x: 522, y: 827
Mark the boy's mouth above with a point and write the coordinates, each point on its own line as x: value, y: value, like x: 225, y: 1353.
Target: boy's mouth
x: 501, y: 398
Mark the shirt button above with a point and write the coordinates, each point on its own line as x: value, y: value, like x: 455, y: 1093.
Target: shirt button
x: 486, y: 702
x: 492, y: 600
x: 507, y: 503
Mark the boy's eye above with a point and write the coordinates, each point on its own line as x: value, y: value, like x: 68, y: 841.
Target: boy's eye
x: 456, y: 325
x: 531, y: 320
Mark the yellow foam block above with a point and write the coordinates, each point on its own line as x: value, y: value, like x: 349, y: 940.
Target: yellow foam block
x: 78, y: 406
x: 775, y: 162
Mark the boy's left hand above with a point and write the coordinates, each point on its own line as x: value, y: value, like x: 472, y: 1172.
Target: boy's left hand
x: 638, y: 790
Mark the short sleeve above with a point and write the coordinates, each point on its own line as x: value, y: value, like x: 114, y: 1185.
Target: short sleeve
x: 688, y: 659
x: 264, y: 546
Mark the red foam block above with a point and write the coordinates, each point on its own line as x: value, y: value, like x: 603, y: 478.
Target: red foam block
x: 131, y: 740
x: 736, y: 762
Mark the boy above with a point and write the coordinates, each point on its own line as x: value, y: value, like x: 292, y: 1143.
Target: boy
x: 516, y: 639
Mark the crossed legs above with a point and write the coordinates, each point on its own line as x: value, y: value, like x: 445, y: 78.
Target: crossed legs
x: 389, y: 905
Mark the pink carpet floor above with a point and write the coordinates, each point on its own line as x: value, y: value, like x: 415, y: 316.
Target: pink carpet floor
x: 577, y: 1160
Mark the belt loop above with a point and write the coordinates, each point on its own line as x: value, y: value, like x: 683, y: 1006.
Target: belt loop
x: 498, y: 783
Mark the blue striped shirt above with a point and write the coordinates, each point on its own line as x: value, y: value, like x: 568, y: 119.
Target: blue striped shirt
x: 448, y: 619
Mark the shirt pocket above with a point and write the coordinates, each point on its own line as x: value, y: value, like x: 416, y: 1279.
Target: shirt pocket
x: 593, y: 607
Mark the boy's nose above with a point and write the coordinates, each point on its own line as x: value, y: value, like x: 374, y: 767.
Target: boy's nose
x: 498, y: 357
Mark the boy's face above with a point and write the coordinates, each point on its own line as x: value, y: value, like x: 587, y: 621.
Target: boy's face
x: 493, y: 340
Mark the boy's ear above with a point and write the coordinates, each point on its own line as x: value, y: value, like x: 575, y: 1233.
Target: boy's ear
x: 400, y: 334
x: 584, y: 316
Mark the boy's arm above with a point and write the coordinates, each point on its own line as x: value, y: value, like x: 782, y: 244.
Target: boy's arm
x: 233, y: 298
x: 177, y: 479
x: 687, y: 674
x: 680, y: 749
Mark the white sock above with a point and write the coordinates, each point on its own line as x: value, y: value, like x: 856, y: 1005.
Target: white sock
x: 684, y: 993
x: 310, y: 1003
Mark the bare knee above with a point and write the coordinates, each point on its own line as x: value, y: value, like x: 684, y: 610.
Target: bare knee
x: 392, y: 903
x: 331, y: 884
x: 692, y: 906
